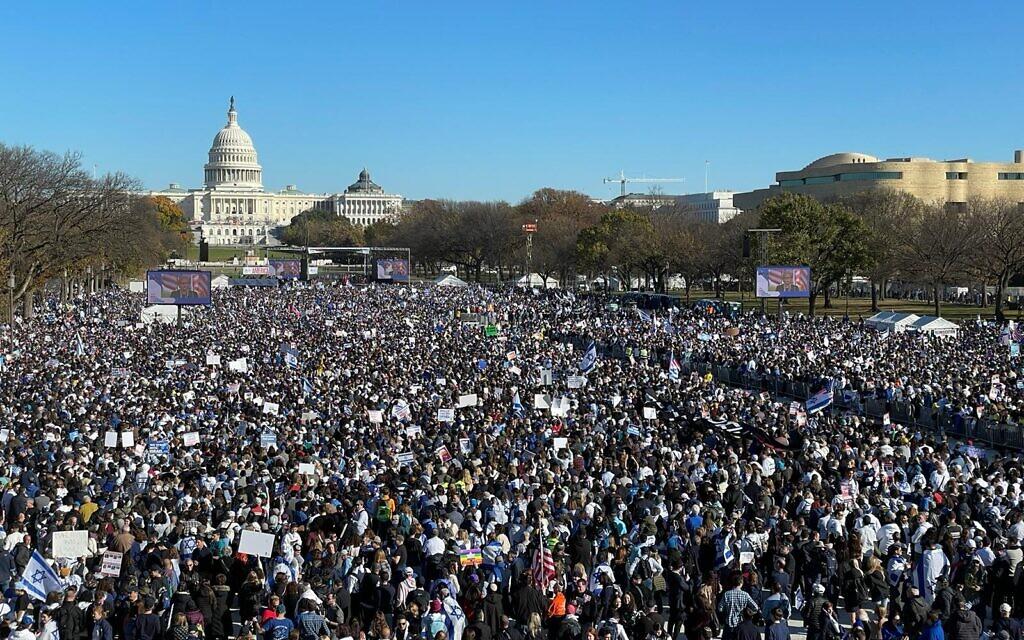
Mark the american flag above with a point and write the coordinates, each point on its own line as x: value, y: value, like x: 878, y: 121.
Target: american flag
x: 543, y: 569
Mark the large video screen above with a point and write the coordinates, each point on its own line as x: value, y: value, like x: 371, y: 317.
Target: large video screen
x: 783, y: 282
x: 286, y: 269
x: 393, y: 269
x: 178, y: 287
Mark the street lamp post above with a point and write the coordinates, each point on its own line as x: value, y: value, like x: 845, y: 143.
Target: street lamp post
x: 10, y: 302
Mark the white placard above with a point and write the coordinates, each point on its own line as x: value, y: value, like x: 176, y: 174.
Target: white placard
x: 111, y: 565
x: 110, y: 439
x: 413, y: 431
x: 650, y: 413
x: 541, y: 401
x: 213, y: 360
x: 70, y: 544
x: 271, y: 407
x: 239, y: 365
x: 560, y: 408
x: 376, y: 417
x: 576, y: 382
x: 308, y: 415
x: 256, y: 544
x: 560, y: 443
x: 446, y: 415
x: 190, y: 439
x: 515, y: 370
x: 468, y: 400
x: 127, y: 439
x: 307, y: 468
x: 465, y: 446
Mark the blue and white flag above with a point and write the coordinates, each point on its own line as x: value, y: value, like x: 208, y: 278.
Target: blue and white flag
x: 820, y: 400
x: 668, y: 327
x: 645, y: 317
x: 589, y: 360
x: 38, y: 579
x: 307, y: 386
x: 80, y: 347
x: 673, y: 366
x: 517, y: 406
x: 725, y: 555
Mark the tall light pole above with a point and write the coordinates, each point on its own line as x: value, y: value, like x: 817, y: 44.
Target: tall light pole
x: 10, y: 302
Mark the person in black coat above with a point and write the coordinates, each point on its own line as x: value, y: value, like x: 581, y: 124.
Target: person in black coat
x: 680, y: 598
x: 71, y: 619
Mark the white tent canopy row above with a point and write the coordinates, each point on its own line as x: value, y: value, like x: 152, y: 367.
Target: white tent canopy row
x: 449, y: 280
x: 537, y: 281
x: 896, y: 322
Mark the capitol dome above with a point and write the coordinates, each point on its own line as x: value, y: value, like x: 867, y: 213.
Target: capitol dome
x: 232, y: 160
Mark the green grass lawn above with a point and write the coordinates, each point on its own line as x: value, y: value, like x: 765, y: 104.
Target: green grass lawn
x: 219, y: 253
x: 859, y: 307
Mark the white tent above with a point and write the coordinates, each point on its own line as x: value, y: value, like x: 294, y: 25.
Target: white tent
x: 449, y: 280
x: 537, y: 281
x: 892, y: 321
x: 220, y: 282
x: 161, y: 313
x: 936, y: 326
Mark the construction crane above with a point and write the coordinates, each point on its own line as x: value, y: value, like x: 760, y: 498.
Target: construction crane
x: 622, y: 180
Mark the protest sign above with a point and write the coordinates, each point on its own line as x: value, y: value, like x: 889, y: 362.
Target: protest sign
x: 190, y: 439
x: 376, y: 417
x: 110, y: 439
x: 468, y: 400
x: 307, y: 468
x: 256, y: 544
x: 70, y: 544
x: 406, y: 458
x: 446, y: 415
x: 111, y: 564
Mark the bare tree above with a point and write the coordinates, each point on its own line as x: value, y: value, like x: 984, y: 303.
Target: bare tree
x: 1000, y: 226
x: 937, y: 245
x: 53, y: 215
x: 885, y: 212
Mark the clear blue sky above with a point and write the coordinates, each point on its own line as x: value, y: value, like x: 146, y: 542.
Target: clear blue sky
x: 492, y: 100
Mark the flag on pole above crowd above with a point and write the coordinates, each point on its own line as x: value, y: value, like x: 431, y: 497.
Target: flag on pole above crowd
x: 307, y: 386
x: 589, y: 360
x: 517, y: 406
x: 38, y: 579
x: 821, y: 399
x: 673, y: 366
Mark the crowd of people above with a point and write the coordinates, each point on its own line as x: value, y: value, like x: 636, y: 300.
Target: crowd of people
x: 443, y: 463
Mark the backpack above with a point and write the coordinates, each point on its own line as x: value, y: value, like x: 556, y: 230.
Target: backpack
x: 383, y: 511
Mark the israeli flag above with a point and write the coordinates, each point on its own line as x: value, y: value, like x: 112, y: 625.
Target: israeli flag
x: 38, y: 579
x: 644, y: 316
x: 307, y: 386
x: 673, y: 367
x: 725, y: 555
x: 517, y: 406
x: 668, y: 327
x: 820, y: 400
x: 589, y: 360
x: 80, y: 348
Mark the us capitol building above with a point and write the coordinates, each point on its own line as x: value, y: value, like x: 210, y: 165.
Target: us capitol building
x: 233, y: 208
